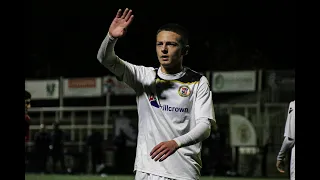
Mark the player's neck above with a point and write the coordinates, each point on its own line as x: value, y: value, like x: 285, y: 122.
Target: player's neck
x: 171, y: 70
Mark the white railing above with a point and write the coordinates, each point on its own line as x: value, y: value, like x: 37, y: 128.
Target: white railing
x: 90, y: 108
x: 270, y: 122
x: 73, y: 121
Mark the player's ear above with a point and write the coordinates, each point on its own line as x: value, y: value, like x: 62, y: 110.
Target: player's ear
x: 185, y: 50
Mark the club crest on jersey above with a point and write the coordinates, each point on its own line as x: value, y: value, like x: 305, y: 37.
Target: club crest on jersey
x: 153, y: 101
x: 290, y: 110
x: 184, y: 91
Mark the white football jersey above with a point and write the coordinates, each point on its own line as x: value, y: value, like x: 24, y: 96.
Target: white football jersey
x: 168, y: 107
x: 289, y: 130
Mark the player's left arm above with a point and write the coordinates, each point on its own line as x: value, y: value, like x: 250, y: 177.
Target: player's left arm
x: 286, y: 145
x: 204, y: 115
x: 289, y: 140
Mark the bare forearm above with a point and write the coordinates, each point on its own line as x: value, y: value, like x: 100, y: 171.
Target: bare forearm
x: 199, y: 133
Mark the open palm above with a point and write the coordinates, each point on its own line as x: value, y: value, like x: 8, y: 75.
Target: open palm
x: 120, y: 23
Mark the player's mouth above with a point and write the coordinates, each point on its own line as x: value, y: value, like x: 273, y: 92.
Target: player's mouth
x: 165, y: 58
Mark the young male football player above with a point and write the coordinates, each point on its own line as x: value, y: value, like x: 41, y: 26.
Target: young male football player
x: 174, y: 103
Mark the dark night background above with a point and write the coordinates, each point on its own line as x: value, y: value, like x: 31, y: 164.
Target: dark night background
x: 64, y: 37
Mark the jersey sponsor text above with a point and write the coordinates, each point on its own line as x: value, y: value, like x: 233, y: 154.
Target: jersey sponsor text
x: 174, y: 109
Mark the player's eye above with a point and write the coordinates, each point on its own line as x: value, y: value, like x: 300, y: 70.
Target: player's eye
x: 172, y: 44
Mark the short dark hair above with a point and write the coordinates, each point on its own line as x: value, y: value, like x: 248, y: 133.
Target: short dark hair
x: 27, y: 95
x: 173, y: 27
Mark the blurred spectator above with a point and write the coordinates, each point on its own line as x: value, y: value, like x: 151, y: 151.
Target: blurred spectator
x: 57, y: 147
x: 264, y: 162
x: 126, y: 132
x: 211, y: 152
x: 42, y: 143
x: 27, y: 103
x: 95, y: 145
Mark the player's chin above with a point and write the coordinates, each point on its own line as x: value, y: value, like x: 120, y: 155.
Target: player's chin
x: 165, y: 63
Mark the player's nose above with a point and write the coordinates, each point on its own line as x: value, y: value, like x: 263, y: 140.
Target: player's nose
x: 164, y: 50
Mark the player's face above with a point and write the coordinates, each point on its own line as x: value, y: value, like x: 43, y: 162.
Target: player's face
x: 169, y: 49
x: 27, y: 103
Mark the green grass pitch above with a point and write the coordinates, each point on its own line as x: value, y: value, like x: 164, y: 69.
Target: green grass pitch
x: 86, y: 177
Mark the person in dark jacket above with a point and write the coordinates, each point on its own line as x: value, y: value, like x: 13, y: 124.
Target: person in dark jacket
x: 57, y: 147
x: 95, y: 143
x: 26, y: 122
x: 42, y: 143
x: 264, y: 161
x: 27, y: 102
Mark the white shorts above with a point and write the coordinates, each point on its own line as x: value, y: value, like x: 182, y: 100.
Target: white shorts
x: 147, y: 176
x: 292, y: 164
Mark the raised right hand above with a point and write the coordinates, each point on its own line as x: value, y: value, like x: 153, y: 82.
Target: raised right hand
x: 120, y: 23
